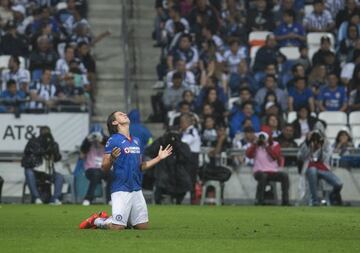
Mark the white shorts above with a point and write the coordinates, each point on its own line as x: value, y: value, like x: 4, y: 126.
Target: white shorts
x: 129, y: 207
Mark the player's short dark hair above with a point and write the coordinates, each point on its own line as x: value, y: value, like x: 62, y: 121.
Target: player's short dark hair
x: 112, y: 129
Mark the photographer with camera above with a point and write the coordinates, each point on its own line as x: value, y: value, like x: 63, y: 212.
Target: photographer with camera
x: 267, y: 163
x: 315, y: 153
x: 92, y: 150
x: 172, y: 175
x: 38, y: 160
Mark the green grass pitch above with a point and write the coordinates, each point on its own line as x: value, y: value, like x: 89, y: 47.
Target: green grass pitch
x: 30, y: 228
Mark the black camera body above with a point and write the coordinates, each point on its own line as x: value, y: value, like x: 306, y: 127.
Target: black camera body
x: 262, y: 139
x: 172, y: 138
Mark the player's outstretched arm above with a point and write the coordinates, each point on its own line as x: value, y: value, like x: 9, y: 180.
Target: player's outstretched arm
x: 163, y: 153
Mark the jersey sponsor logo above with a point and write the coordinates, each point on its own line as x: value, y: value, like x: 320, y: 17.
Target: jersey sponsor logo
x: 132, y: 150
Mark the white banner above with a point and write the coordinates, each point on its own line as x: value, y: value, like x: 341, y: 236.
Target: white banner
x: 68, y: 129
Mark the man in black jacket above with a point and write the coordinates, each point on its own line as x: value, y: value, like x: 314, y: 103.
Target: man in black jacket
x: 40, y: 154
x: 172, y: 175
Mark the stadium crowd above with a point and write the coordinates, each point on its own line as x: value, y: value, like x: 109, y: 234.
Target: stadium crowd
x: 232, y: 70
x: 243, y: 67
x: 45, y: 56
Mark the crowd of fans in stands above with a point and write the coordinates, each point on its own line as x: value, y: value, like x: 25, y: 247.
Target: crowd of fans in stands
x: 207, y: 69
x: 46, y: 63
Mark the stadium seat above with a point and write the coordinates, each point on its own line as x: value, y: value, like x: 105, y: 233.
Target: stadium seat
x: 4, y: 61
x: 354, y: 118
x: 355, y: 131
x: 258, y: 38
x: 333, y: 130
x: 334, y: 118
x: 313, y: 39
x: 291, y: 116
x: 291, y: 53
x: 308, y: 9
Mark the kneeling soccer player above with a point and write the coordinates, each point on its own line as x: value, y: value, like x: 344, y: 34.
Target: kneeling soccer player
x: 122, y: 151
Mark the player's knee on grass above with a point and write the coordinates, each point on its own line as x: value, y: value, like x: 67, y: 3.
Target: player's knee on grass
x: 116, y: 227
x: 142, y: 226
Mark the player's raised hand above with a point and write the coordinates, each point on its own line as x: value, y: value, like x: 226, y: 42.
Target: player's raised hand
x: 115, y: 153
x: 163, y: 153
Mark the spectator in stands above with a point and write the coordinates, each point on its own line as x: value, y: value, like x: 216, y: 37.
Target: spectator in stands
x: 300, y: 96
x: 274, y: 124
x: 331, y: 63
x: 208, y: 132
x: 43, y: 56
x: 244, y: 142
x: 208, y: 83
x: 13, y: 43
x: 267, y: 54
x: 270, y: 101
x: 6, y: 14
x: 342, y: 143
x: 184, y: 108
x: 290, y: 33
x: 343, y: 30
x: 288, y: 5
x: 188, y: 97
x: 11, y: 99
x: 190, y: 136
x: 267, y: 163
x: 333, y: 97
x: 237, y: 118
x: 213, y: 99
x: 260, y: 18
x: 211, y: 61
x: 344, y: 14
x: 347, y: 45
x: 320, y: 19
x: 234, y: 21
x: 297, y: 71
x: 205, y: 13
x: 63, y: 64
x: 92, y: 150
x: 325, y: 47
x: 208, y: 110
x: 188, y: 78
x: 38, y: 160
x: 354, y: 99
x: 185, y: 52
x: 139, y: 130
x: 348, y: 74
x: 173, y: 94
x: 316, y: 154
x: 286, y: 140
x: 20, y: 18
x: 208, y: 34
x: 70, y: 95
x: 174, y: 16
x: 304, y: 123
x: 270, y: 85
x: 15, y: 72
x: 88, y: 61
x: 318, y: 76
x: 304, y: 58
x: 241, y: 78
x: 43, y: 93
x: 235, y: 55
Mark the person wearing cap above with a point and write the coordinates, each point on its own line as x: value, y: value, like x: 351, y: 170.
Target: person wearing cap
x: 267, y: 165
x: 300, y: 95
x: 320, y: 19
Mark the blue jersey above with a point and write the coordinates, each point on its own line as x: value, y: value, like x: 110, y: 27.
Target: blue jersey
x: 127, y: 175
x: 333, y: 100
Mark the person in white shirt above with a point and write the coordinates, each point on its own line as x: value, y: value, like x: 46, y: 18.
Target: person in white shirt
x: 190, y: 136
x: 234, y: 56
x: 188, y: 80
x: 20, y: 75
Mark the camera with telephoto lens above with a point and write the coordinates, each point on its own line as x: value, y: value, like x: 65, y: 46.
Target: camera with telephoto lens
x: 316, y: 138
x: 172, y: 138
x: 262, y: 139
x: 95, y: 136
